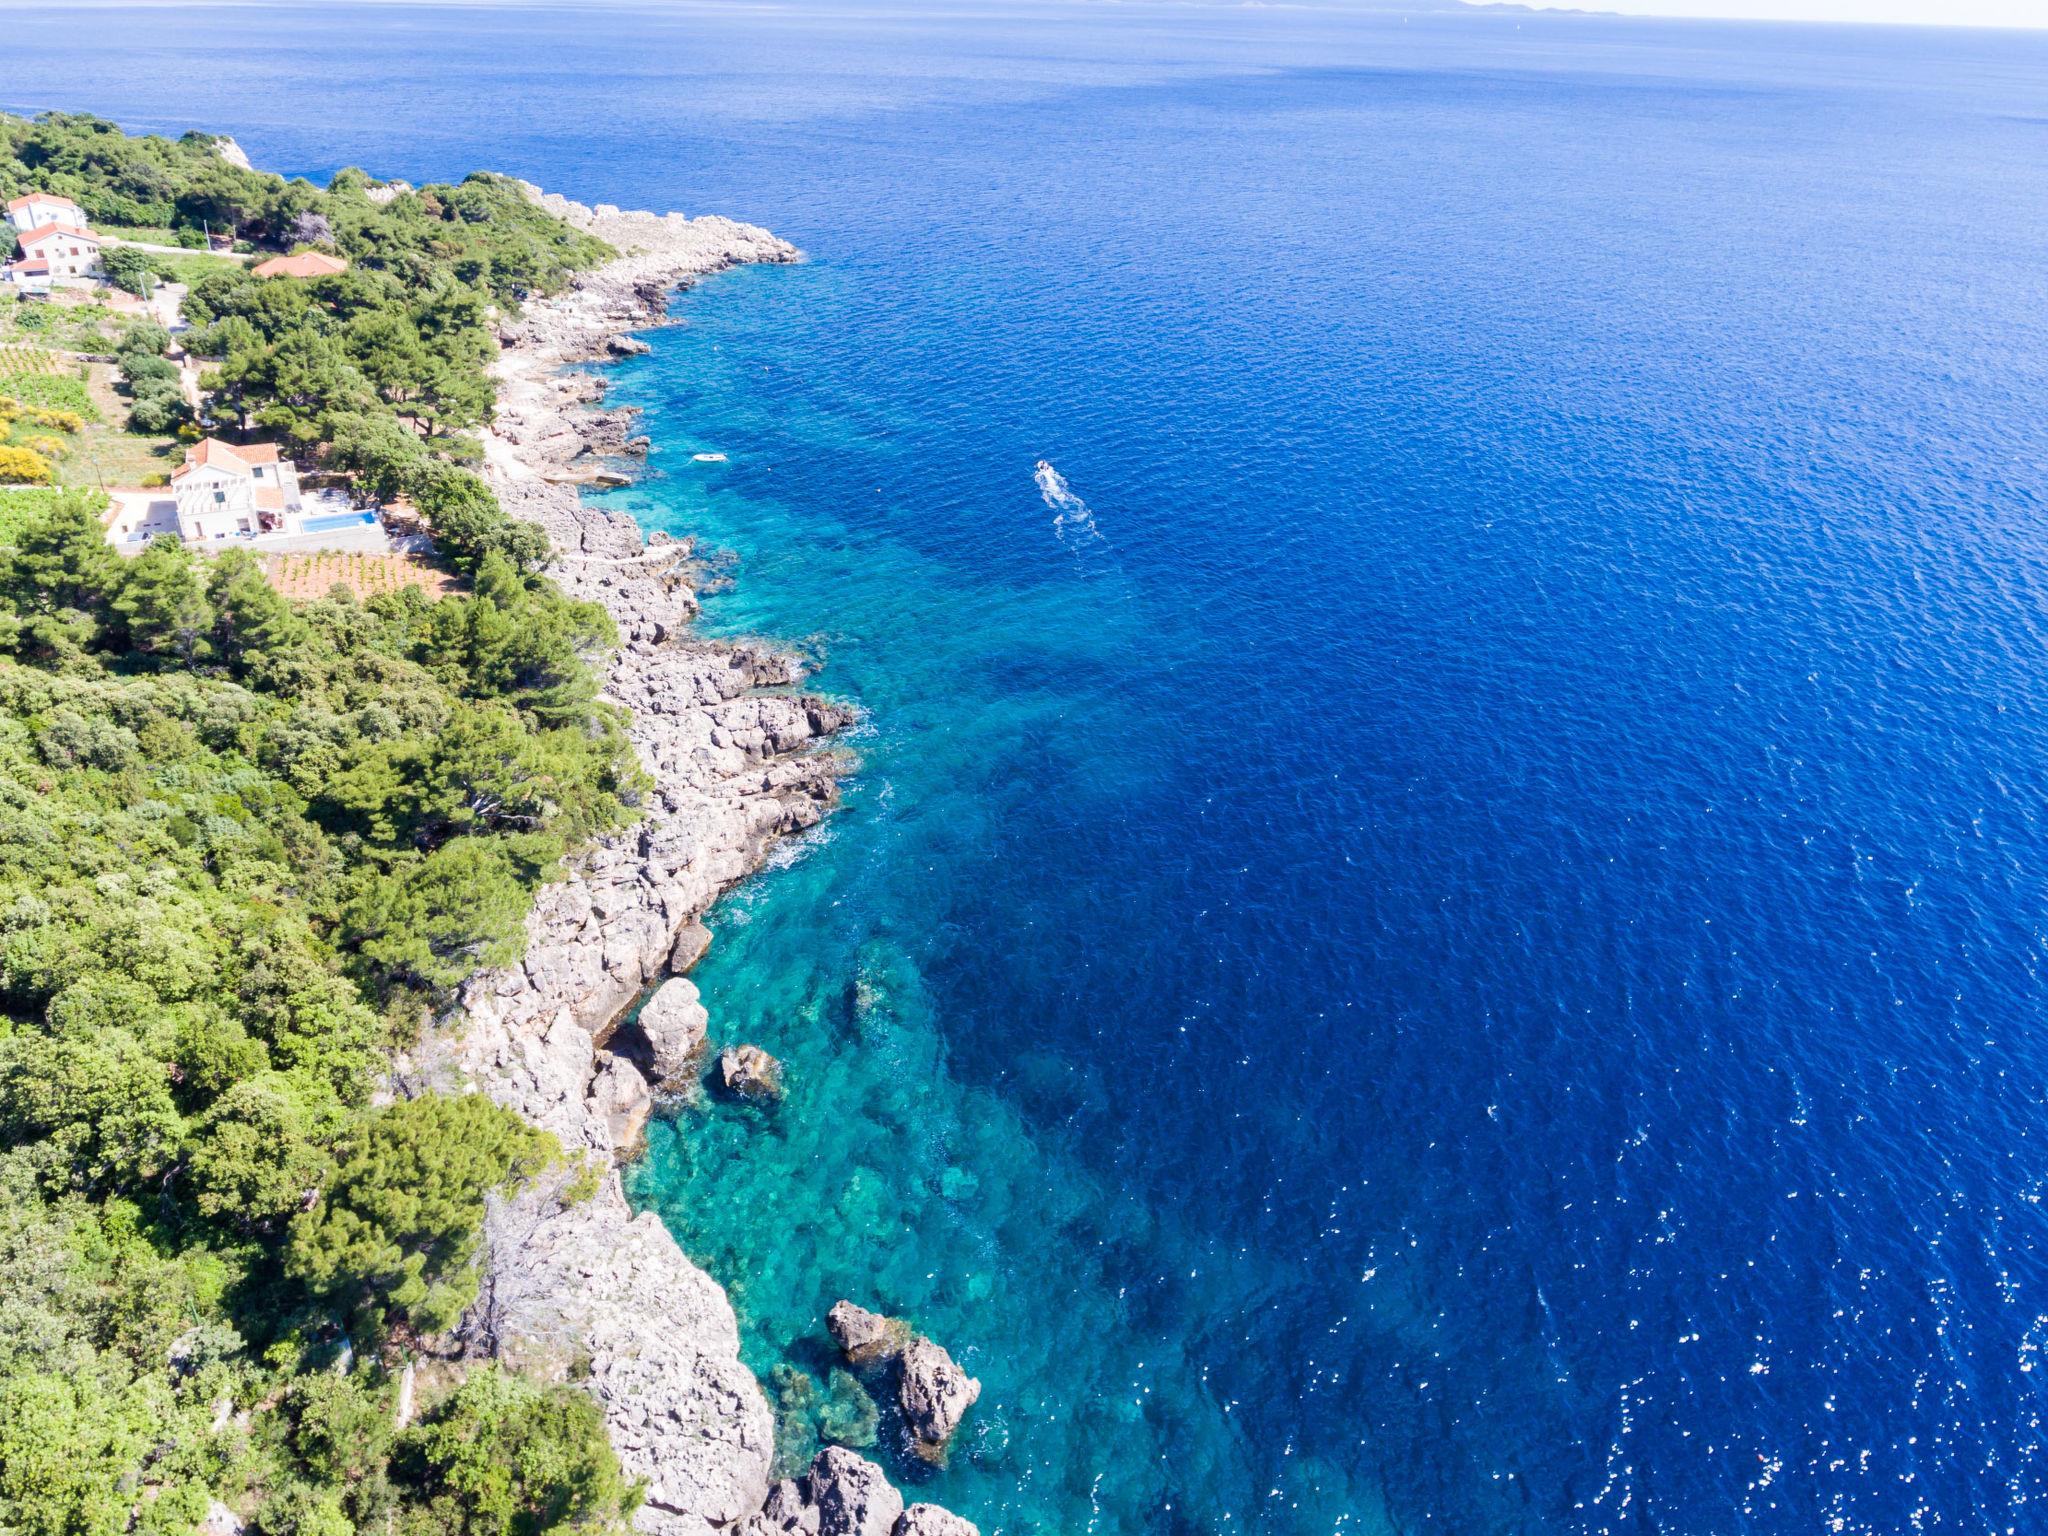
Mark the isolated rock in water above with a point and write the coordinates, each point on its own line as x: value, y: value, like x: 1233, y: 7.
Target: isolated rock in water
x: 930, y: 1520
x: 934, y: 1395
x: 674, y: 1022
x: 867, y: 1338
x: 750, y: 1072
x: 692, y: 940
x: 621, y: 1095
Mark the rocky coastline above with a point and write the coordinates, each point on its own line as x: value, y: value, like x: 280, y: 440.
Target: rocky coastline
x: 575, y: 1286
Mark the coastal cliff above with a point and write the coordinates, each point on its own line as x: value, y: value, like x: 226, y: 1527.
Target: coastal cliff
x: 581, y: 1288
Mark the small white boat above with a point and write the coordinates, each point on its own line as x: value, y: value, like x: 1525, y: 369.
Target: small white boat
x: 708, y: 458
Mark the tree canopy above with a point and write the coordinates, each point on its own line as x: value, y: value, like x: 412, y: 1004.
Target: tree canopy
x: 246, y: 846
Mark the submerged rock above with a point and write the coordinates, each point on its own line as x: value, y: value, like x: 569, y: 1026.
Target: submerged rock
x: 930, y: 1520
x: 750, y: 1072
x: 934, y: 1394
x: 848, y: 1415
x: 866, y: 1338
x: 673, y: 1022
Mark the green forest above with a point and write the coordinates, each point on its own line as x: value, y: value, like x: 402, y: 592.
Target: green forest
x: 247, y: 849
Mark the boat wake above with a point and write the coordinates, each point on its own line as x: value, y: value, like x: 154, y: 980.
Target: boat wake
x: 1072, y: 523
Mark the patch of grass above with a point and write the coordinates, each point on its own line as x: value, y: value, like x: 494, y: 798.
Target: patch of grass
x: 190, y: 266
x: 146, y: 234
x: 109, y: 454
x: 36, y: 376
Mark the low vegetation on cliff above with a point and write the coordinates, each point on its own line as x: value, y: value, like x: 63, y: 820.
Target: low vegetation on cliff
x: 246, y: 846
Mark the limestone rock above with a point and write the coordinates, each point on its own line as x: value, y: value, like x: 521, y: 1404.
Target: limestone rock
x: 220, y: 1520
x: 591, y: 1292
x: 621, y: 1095
x: 934, y: 1394
x: 840, y: 1495
x: 930, y: 1520
x: 750, y: 1072
x: 626, y: 346
x: 693, y: 939
x: 866, y: 1338
x: 673, y: 1023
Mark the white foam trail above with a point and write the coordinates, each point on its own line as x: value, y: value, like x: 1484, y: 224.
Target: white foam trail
x: 1072, y: 523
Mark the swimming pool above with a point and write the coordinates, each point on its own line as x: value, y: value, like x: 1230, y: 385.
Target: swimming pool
x: 336, y: 520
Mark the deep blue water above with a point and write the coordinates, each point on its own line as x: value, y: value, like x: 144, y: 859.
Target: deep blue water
x: 1463, y: 950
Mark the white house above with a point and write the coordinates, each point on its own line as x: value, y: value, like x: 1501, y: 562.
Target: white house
x: 40, y: 208
x: 226, y: 493
x: 26, y: 276
x: 71, y: 252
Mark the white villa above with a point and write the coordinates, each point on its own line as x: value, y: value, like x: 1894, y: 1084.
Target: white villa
x: 42, y: 208
x: 246, y: 497
x: 223, y: 492
x: 63, y: 250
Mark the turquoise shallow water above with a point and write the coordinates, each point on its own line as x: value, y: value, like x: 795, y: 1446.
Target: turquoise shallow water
x: 1459, y: 947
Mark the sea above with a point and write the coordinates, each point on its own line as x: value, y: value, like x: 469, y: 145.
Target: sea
x: 1442, y: 923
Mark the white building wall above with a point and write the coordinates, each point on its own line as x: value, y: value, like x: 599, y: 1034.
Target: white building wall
x: 45, y: 210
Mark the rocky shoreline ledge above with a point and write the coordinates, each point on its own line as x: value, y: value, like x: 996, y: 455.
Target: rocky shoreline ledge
x: 581, y: 1288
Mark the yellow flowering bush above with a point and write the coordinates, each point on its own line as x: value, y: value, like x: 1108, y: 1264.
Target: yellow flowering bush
x: 23, y: 466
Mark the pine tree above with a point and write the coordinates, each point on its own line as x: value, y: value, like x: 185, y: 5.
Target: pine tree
x: 162, y: 604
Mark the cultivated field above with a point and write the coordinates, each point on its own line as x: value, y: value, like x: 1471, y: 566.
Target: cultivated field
x: 303, y: 578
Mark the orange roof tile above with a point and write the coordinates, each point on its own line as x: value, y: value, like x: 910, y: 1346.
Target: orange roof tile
x: 42, y: 197
x: 57, y: 231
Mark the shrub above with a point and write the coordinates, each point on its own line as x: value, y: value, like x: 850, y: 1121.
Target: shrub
x: 23, y: 466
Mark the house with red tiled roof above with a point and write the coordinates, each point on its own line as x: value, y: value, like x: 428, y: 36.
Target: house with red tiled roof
x: 27, y: 275
x: 40, y: 208
x: 227, y: 492
x: 304, y: 264
x: 70, y: 250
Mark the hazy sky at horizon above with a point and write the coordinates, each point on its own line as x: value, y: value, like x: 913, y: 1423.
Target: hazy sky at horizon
x: 1953, y: 13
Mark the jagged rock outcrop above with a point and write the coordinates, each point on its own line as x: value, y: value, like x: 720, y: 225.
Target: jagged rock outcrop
x: 930, y: 1520
x: 673, y: 1023
x: 934, y: 1394
x: 866, y: 1338
x: 692, y: 944
x: 932, y: 1391
x: 840, y: 1495
x: 589, y: 1292
x: 621, y: 1097
x: 592, y: 1292
x: 751, y: 1073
